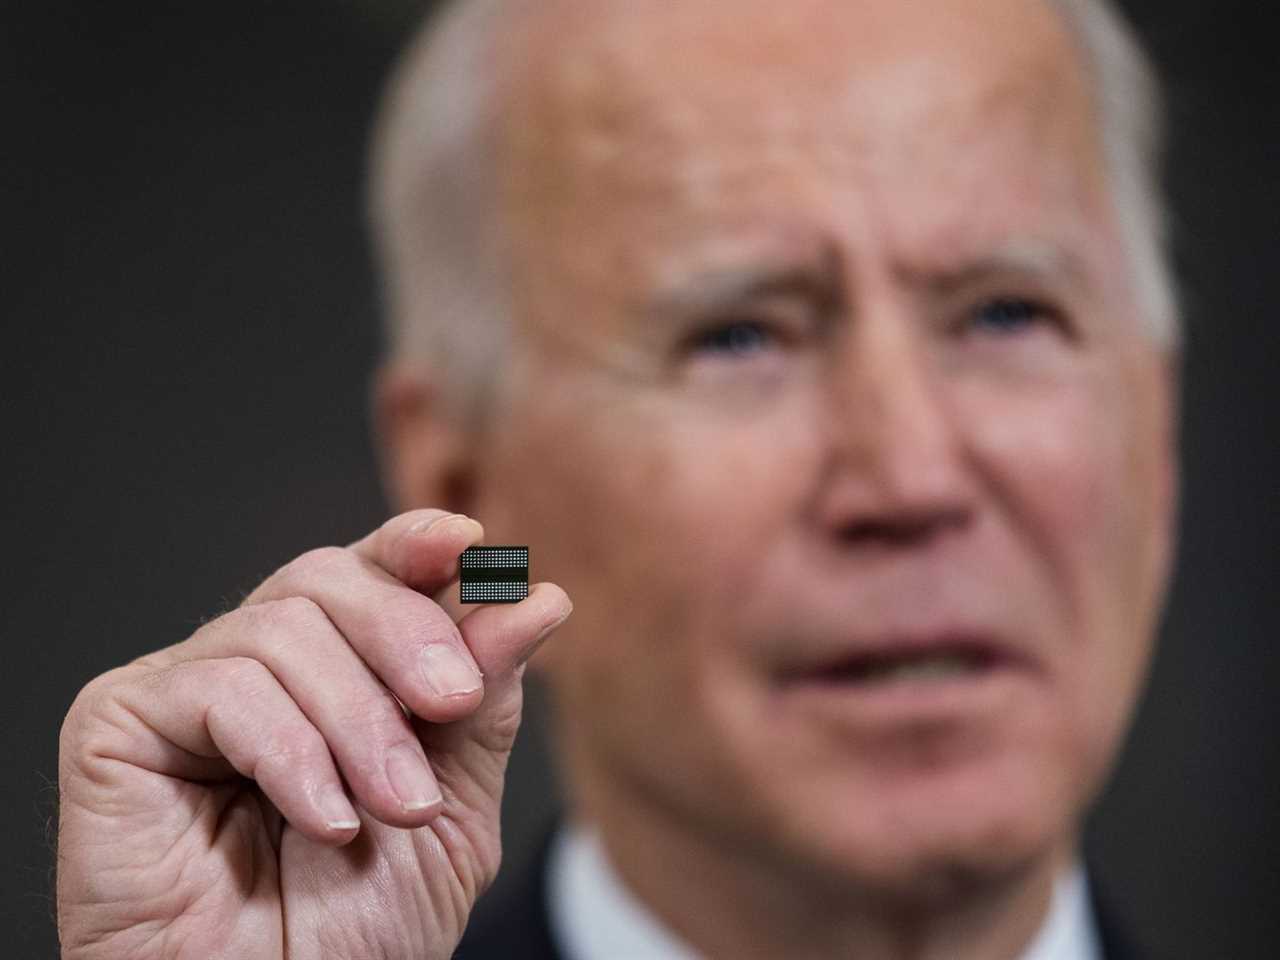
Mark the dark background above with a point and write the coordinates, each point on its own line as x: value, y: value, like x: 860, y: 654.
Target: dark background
x: 189, y: 324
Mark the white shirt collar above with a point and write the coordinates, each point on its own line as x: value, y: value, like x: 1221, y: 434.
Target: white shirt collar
x: 1069, y: 931
x: 594, y: 917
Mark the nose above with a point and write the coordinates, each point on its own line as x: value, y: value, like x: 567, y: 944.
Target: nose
x: 894, y: 472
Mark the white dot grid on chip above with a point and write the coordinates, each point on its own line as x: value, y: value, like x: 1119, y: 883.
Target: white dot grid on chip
x: 495, y: 557
x: 508, y: 587
x: 482, y: 591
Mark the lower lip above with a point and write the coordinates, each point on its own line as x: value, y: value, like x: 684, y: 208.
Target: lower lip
x: 907, y: 700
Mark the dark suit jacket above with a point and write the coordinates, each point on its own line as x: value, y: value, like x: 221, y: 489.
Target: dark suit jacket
x: 511, y: 923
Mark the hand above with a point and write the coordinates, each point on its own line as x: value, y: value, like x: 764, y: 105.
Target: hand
x: 316, y: 774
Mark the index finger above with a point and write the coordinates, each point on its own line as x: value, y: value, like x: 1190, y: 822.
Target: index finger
x: 420, y: 548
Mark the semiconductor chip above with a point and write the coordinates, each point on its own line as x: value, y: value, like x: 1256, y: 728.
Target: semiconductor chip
x: 494, y: 574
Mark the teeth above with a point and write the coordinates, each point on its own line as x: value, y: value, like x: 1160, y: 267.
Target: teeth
x: 924, y: 668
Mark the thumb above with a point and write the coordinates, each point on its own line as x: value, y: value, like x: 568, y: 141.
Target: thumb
x: 471, y: 752
x: 503, y: 636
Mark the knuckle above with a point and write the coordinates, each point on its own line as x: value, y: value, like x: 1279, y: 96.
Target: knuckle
x: 88, y: 707
x: 246, y: 677
x: 371, y: 725
x: 421, y: 622
x: 379, y: 720
x: 290, y: 617
x: 389, y: 627
x: 320, y: 562
x: 99, y: 724
x: 291, y: 748
x: 74, y: 724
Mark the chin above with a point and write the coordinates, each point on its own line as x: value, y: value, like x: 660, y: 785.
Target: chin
x: 934, y: 834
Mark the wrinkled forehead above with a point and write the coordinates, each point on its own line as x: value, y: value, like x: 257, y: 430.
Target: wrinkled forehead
x: 629, y: 111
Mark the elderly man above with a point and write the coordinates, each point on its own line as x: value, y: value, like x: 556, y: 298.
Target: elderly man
x: 824, y: 352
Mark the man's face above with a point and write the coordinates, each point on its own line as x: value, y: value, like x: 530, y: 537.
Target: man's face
x: 832, y: 410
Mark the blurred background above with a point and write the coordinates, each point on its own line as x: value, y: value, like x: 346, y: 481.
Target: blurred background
x: 189, y: 325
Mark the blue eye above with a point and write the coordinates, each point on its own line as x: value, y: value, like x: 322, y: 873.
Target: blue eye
x: 736, y: 339
x: 1006, y: 315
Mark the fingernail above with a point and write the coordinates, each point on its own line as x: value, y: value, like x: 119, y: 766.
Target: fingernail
x: 447, y: 673
x: 453, y: 520
x: 337, y: 810
x: 410, y: 779
x: 422, y: 526
x: 425, y: 526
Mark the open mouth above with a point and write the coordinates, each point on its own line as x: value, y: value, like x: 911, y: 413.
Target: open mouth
x: 890, y: 666
x: 915, y: 666
x: 896, y: 683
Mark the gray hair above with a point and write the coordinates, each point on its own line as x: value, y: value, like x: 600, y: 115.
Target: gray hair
x: 433, y: 203
x: 433, y: 196
x: 1130, y: 108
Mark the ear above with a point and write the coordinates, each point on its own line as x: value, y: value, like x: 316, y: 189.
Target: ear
x: 424, y: 452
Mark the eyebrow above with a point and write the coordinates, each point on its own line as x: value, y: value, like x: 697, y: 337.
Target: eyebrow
x: 1040, y: 260
x: 723, y: 289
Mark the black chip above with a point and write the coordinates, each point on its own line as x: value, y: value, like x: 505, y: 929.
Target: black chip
x: 494, y: 574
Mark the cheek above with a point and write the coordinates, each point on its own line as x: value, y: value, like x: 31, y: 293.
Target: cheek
x: 1074, y: 482
x: 1053, y: 459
